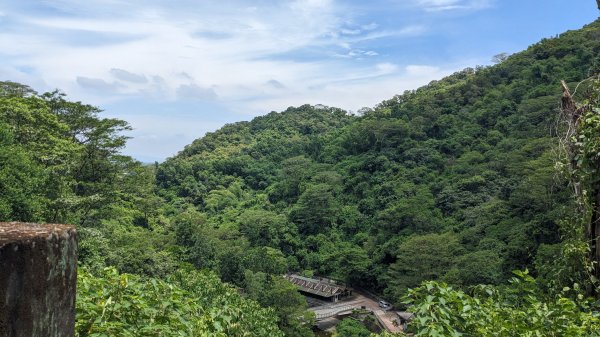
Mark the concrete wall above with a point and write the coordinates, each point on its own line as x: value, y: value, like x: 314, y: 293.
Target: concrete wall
x: 38, y: 275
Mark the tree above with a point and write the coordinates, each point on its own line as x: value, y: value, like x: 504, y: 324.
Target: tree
x: 98, y: 164
x: 420, y: 258
x: 295, y: 171
x: 266, y: 228
x: 352, y: 263
x: 499, y: 58
x: 412, y: 211
x: 275, y: 292
x: 583, y: 155
x: 266, y: 259
x: 220, y: 199
x: 20, y: 181
x: 479, y: 267
x: 350, y: 327
x: 316, y: 210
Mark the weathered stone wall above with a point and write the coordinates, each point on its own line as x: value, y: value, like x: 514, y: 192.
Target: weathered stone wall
x: 38, y: 275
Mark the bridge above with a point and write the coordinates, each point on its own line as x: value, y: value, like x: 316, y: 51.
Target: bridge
x: 385, y: 318
x: 327, y: 311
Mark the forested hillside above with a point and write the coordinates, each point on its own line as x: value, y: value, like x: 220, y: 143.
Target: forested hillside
x: 455, y: 182
x: 60, y: 163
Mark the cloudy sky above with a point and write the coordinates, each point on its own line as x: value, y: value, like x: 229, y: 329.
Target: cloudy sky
x: 177, y: 69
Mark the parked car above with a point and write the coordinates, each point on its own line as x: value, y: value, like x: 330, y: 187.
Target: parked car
x: 385, y: 305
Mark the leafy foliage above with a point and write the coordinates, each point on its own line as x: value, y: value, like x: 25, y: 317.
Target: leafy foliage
x: 453, y: 182
x: 458, y: 173
x: 351, y: 328
x: 190, y: 304
x: 519, y: 309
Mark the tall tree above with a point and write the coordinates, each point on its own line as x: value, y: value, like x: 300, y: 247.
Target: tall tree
x: 583, y: 150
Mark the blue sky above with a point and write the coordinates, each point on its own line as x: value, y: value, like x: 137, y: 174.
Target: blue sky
x: 178, y: 69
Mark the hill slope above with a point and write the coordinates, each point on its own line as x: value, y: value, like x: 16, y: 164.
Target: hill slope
x: 452, y: 181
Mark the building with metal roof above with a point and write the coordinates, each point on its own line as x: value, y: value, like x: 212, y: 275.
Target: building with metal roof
x: 321, y: 288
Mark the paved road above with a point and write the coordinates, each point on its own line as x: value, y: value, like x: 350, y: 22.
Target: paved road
x: 359, y: 300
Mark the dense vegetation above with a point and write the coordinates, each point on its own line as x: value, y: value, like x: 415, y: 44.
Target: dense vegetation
x: 60, y: 162
x: 520, y: 309
x: 454, y: 182
x: 189, y: 303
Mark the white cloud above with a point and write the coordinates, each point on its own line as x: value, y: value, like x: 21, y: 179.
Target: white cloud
x: 346, y: 31
x: 369, y: 26
x: 250, y: 60
x: 446, y: 5
x: 386, y: 68
x: 229, y: 50
x: 357, y: 53
x: 97, y: 84
x: 195, y: 92
x: 352, y: 92
x: 166, y: 44
x: 421, y: 70
x: 127, y: 76
x: 275, y: 84
x: 155, y: 137
x: 408, y: 31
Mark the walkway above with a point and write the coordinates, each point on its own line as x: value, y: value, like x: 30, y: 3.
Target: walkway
x: 357, y: 301
x: 331, y: 310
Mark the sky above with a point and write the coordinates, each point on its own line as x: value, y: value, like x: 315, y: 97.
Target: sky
x: 178, y: 69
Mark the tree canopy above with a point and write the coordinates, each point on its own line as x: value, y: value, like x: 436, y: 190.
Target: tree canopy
x: 453, y: 184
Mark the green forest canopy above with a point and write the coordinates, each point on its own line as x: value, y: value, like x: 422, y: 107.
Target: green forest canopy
x: 454, y: 182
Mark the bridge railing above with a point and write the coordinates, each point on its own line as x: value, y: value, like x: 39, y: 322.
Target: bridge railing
x: 335, y: 311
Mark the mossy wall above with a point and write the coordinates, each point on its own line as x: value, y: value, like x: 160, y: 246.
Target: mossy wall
x: 38, y: 274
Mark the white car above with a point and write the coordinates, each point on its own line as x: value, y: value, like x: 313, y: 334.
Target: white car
x: 384, y: 305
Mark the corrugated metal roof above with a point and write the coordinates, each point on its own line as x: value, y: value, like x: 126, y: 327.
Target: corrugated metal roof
x: 313, y: 286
